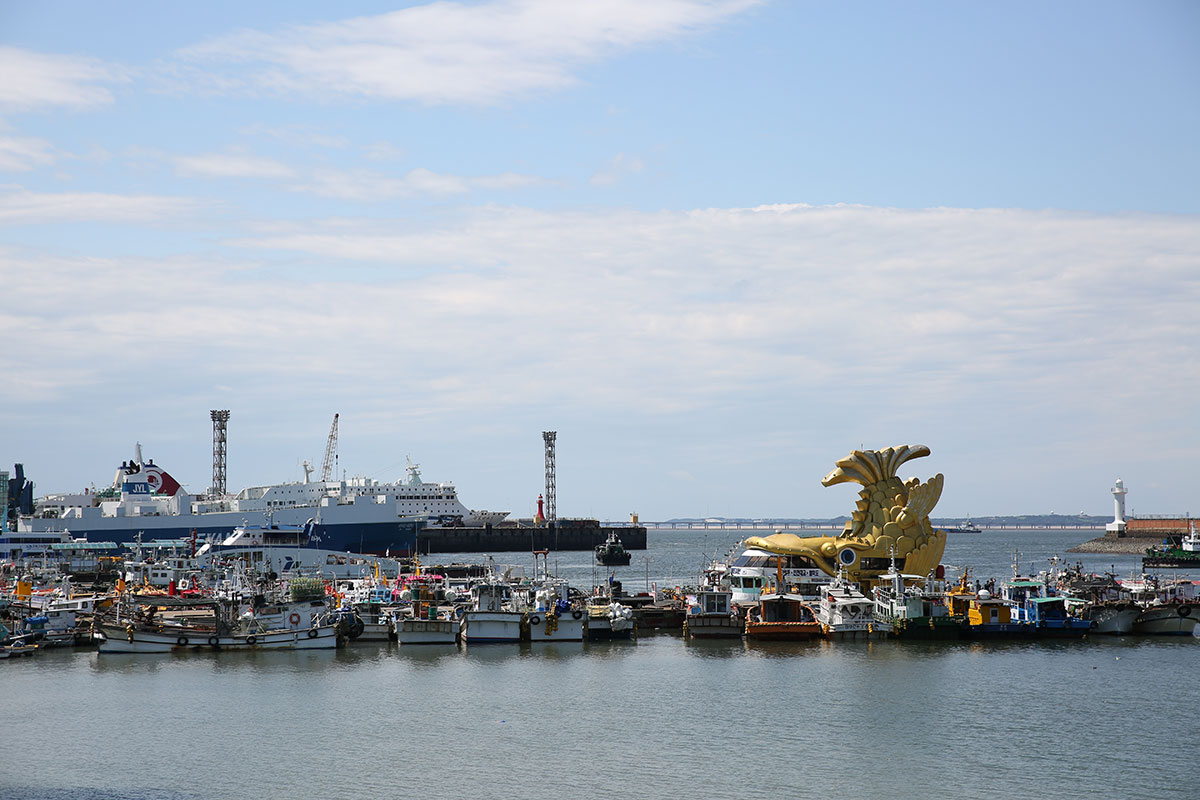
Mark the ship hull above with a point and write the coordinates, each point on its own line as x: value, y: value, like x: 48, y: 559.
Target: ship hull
x: 390, y: 537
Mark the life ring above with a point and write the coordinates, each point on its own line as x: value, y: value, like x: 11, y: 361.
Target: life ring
x: 535, y: 620
x: 252, y: 640
x: 312, y: 633
x: 213, y: 641
x: 1184, y: 611
x: 294, y: 618
x: 182, y: 641
x: 577, y: 614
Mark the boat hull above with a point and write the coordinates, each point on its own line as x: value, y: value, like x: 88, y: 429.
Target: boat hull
x: 121, y: 640
x: 784, y: 631
x: 713, y: 626
x: 1167, y: 620
x: 427, y: 631
x: 562, y: 628
x: 491, y: 627
x: 1111, y: 620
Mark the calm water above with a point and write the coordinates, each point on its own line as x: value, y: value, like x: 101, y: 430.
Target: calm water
x: 659, y: 717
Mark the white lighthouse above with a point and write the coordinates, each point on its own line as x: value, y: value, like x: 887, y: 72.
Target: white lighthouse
x: 1117, y: 526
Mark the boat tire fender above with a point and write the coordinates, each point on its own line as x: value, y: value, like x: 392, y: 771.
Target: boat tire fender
x: 182, y: 641
x: 535, y: 620
x: 294, y: 618
x: 252, y: 640
x: 577, y: 614
x: 213, y: 641
x: 1184, y: 610
x: 312, y: 633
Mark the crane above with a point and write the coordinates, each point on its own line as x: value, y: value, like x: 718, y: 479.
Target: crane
x: 327, y: 468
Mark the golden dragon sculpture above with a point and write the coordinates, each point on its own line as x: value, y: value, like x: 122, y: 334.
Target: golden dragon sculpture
x: 891, y: 516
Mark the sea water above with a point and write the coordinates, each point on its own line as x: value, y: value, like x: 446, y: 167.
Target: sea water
x: 659, y: 717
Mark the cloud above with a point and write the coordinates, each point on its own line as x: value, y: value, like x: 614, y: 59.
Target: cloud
x: 40, y: 80
x: 231, y: 166
x: 448, y: 52
x: 21, y: 154
x: 618, y: 168
x: 365, y: 185
x: 1003, y: 338
x: 21, y: 207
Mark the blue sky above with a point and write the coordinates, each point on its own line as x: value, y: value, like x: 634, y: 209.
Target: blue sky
x: 716, y: 245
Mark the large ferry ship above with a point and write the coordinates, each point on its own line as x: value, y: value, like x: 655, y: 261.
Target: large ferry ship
x: 360, y: 515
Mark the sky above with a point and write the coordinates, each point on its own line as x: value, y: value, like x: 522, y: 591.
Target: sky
x: 715, y: 244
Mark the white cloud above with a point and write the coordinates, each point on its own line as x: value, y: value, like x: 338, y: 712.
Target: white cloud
x: 1004, y: 335
x: 21, y: 153
x: 447, y: 52
x: 617, y: 169
x: 228, y: 165
x: 39, y: 80
x: 21, y: 207
x: 365, y: 185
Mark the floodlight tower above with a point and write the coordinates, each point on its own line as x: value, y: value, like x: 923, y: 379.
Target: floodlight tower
x: 551, y: 507
x: 220, y: 420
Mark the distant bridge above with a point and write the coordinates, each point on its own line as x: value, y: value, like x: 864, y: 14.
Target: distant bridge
x: 731, y: 525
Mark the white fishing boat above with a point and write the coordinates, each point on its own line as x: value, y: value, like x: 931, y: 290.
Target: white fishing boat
x: 426, y: 615
x: 844, y: 611
x: 491, y: 616
x: 162, y: 624
x: 551, y: 616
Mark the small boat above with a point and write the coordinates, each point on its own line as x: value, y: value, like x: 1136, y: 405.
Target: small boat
x: 1186, y: 555
x: 986, y: 614
x: 608, y: 619
x: 915, y: 607
x: 491, y: 616
x: 612, y: 553
x: 428, y: 616
x: 710, y: 615
x: 786, y: 616
x: 184, y: 624
x: 551, y: 616
x: 1040, y: 608
x: 844, y: 611
x: 1167, y: 607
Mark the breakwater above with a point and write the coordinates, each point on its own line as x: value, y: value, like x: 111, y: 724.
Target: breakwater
x: 565, y: 534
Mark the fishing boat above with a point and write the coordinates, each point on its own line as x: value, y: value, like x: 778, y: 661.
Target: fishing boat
x: 914, y: 606
x: 1184, y: 555
x: 1045, y: 612
x: 165, y: 624
x: 986, y: 614
x: 427, y: 614
x: 612, y: 553
x: 607, y: 619
x: 551, y: 616
x: 782, y: 616
x: 491, y: 617
x: 1167, y: 607
x: 710, y: 615
x: 844, y: 611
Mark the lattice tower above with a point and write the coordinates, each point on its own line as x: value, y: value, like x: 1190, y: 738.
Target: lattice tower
x: 220, y: 420
x: 551, y: 507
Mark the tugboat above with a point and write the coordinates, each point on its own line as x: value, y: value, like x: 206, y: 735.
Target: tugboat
x: 612, y: 553
x: 1186, y: 555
